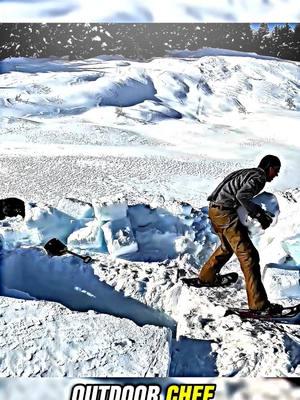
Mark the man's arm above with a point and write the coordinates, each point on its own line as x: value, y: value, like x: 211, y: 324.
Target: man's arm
x: 246, y: 193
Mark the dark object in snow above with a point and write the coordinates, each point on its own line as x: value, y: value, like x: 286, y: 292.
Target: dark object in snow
x: 287, y: 315
x: 220, y: 281
x: 55, y: 247
x: 294, y: 381
x: 11, y: 207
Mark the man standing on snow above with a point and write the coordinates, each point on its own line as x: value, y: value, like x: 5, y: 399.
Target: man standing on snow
x: 237, y: 189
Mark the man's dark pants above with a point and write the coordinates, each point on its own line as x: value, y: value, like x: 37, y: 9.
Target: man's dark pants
x: 235, y: 239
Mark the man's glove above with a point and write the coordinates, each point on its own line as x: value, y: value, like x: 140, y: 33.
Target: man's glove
x: 265, y: 218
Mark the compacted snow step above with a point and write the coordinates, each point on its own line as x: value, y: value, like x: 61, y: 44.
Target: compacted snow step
x: 46, y: 339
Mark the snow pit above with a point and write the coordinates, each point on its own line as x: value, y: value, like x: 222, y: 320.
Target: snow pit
x: 67, y: 280
x: 28, y: 273
x: 136, y: 232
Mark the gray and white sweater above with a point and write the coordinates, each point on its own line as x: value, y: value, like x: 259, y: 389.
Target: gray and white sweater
x: 239, y: 188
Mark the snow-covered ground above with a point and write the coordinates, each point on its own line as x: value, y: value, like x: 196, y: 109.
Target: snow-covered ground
x: 55, y: 342
x: 163, y: 134
x: 154, y: 11
x: 194, y: 117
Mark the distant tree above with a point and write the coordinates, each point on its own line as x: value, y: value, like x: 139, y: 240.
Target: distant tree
x: 296, y: 43
x: 243, y: 37
x: 297, y: 32
x: 197, y: 36
x: 229, y: 36
x: 143, y: 41
x: 7, y: 32
x: 275, y: 42
x: 286, y: 36
x: 262, y: 39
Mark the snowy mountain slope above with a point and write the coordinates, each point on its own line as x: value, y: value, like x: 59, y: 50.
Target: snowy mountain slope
x: 241, y: 103
x: 191, y: 88
x: 135, y: 11
x: 91, y: 128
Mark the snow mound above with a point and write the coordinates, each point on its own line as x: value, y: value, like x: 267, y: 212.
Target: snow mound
x: 211, y: 82
x: 208, y: 51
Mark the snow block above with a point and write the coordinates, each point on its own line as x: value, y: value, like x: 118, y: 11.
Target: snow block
x: 268, y: 202
x: 14, y: 233
x: 75, y: 208
x: 280, y: 281
x: 50, y: 222
x: 119, y: 237
x: 186, y: 245
x: 89, y: 237
x: 158, y: 201
x: 110, y: 208
x: 179, y: 208
x: 292, y: 247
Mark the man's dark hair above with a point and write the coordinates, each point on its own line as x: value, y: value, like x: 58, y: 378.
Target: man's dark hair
x: 269, y: 161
